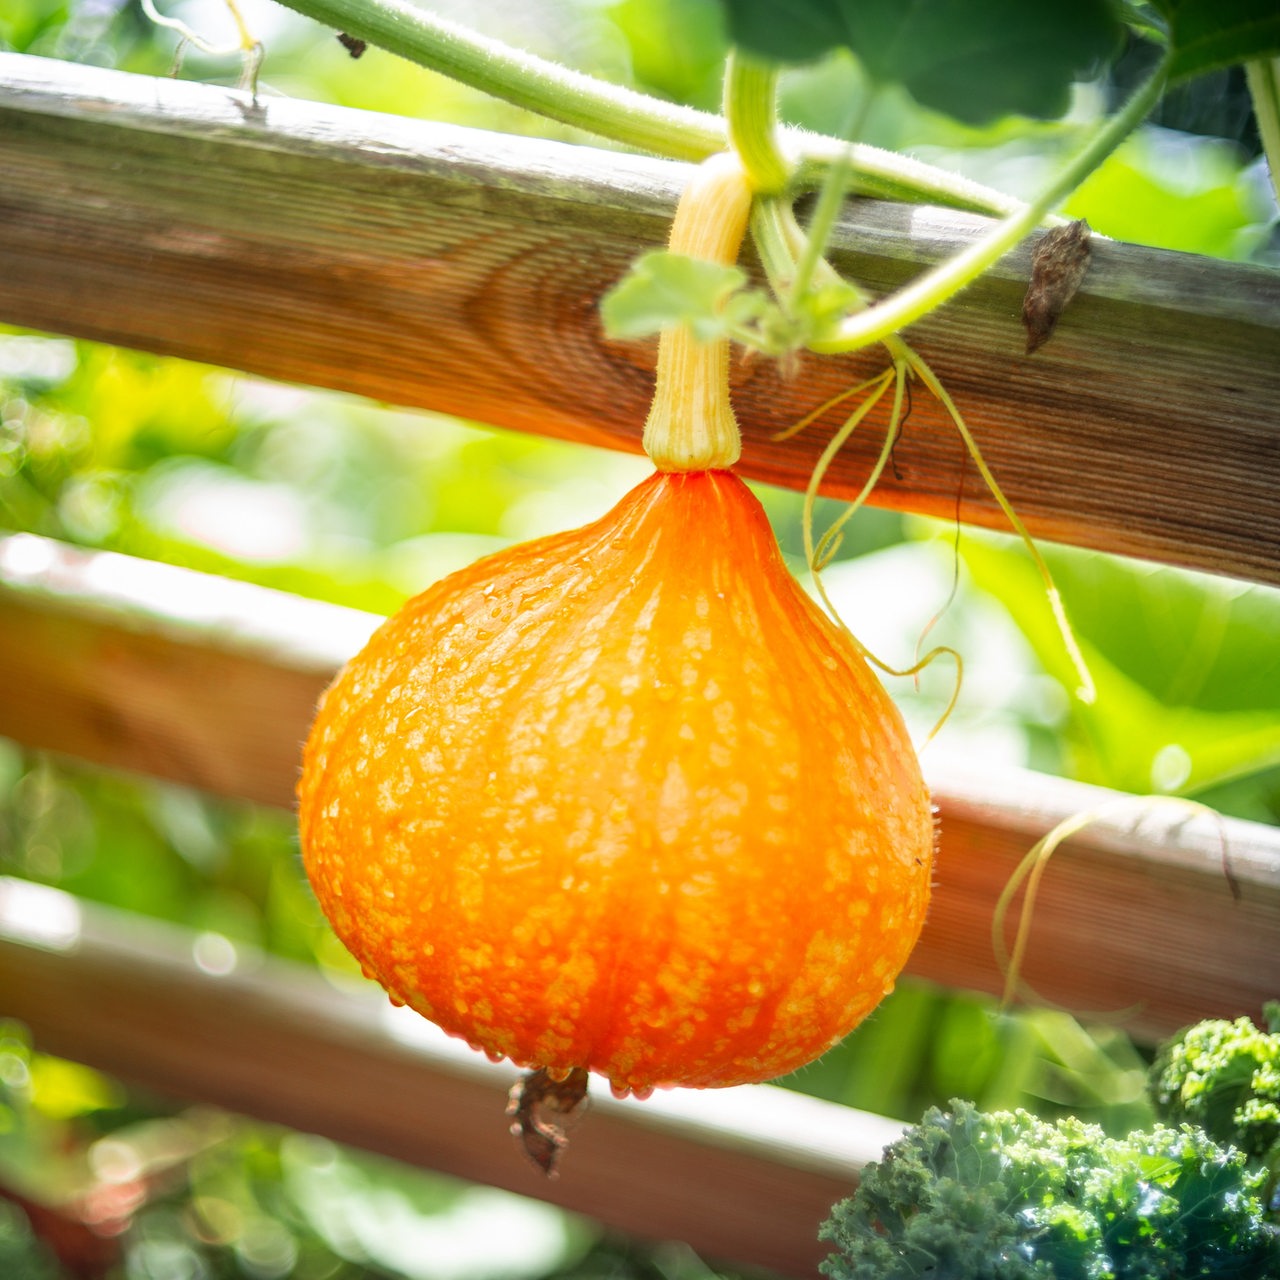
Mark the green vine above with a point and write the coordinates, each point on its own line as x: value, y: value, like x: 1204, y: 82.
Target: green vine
x: 943, y: 282
x: 750, y: 109
x: 623, y: 115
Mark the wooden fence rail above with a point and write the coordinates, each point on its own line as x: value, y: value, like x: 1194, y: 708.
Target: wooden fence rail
x: 213, y: 683
x: 460, y: 271
x: 743, y: 1174
x: 208, y: 682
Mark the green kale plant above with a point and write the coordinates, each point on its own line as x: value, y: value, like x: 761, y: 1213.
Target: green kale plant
x: 969, y: 1195
x: 1225, y: 1077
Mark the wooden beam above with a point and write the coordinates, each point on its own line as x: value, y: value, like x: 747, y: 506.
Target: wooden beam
x: 460, y: 271
x: 745, y: 1174
x: 212, y: 683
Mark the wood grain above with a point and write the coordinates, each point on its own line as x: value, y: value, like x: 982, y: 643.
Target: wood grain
x: 745, y: 1175
x: 460, y: 271
x: 189, y: 677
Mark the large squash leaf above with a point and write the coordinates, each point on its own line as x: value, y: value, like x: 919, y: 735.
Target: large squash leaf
x: 975, y: 60
x: 1215, y: 33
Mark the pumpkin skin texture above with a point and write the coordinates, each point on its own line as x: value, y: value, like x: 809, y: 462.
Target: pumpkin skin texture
x: 623, y: 799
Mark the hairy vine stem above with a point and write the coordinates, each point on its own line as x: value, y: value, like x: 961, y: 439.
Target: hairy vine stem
x: 750, y: 111
x: 623, y: 115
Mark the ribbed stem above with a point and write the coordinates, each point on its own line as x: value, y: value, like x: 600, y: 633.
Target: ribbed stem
x: 750, y: 111
x: 691, y: 426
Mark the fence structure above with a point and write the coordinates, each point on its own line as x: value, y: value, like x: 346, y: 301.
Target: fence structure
x: 459, y: 271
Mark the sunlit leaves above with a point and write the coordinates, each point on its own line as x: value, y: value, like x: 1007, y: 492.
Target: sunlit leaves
x: 977, y: 60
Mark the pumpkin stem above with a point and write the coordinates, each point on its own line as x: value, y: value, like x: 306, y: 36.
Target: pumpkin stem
x: 545, y: 1106
x: 691, y: 426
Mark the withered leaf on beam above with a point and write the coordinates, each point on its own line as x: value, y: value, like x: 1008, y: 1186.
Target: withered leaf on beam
x: 1057, y: 268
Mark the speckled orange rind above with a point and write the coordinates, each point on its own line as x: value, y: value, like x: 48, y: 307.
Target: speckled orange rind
x: 623, y: 799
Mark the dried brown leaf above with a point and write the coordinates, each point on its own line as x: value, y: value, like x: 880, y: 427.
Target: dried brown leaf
x: 1057, y: 268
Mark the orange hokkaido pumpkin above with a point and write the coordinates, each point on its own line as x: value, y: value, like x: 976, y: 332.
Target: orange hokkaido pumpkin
x: 623, y: 799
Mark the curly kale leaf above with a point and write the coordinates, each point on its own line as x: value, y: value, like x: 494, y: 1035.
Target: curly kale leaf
x: 969, y: 1195
x: 1225, y: 1077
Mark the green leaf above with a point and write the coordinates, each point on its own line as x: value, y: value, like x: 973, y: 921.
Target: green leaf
x: 664, y: 288
x: 1216, y: 33
x: 1197, y: 195
x: 1187, y: 668
x: 975, y: 60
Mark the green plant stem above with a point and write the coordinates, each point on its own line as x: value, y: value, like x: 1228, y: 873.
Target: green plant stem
x: 813, y: 243
x: 623, y: 115
x: 936, y: 286
x: 750, y: 112
x: 544, y: 87
x: 1263, y: 78
x: 814, y: 240
x: 769, y: 233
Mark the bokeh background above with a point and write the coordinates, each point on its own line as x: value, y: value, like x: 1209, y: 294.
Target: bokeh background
x: 363, y: 504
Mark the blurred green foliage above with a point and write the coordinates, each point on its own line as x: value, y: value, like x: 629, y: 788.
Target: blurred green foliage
x: 132, y: 1187
x: 362, y: 505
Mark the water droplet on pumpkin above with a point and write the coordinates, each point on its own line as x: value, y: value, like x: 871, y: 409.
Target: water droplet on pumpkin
x: 396, y: 1001
x: 643, y: 1092
x: 494, y: 1055
x: 620, y: 1091
x: 558, y: 1075
x: 366, y: 972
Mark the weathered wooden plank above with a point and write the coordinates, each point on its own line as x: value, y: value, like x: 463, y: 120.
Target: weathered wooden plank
x: 743, y: 1174
x: 184, y: 676
x: 457, y: 270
